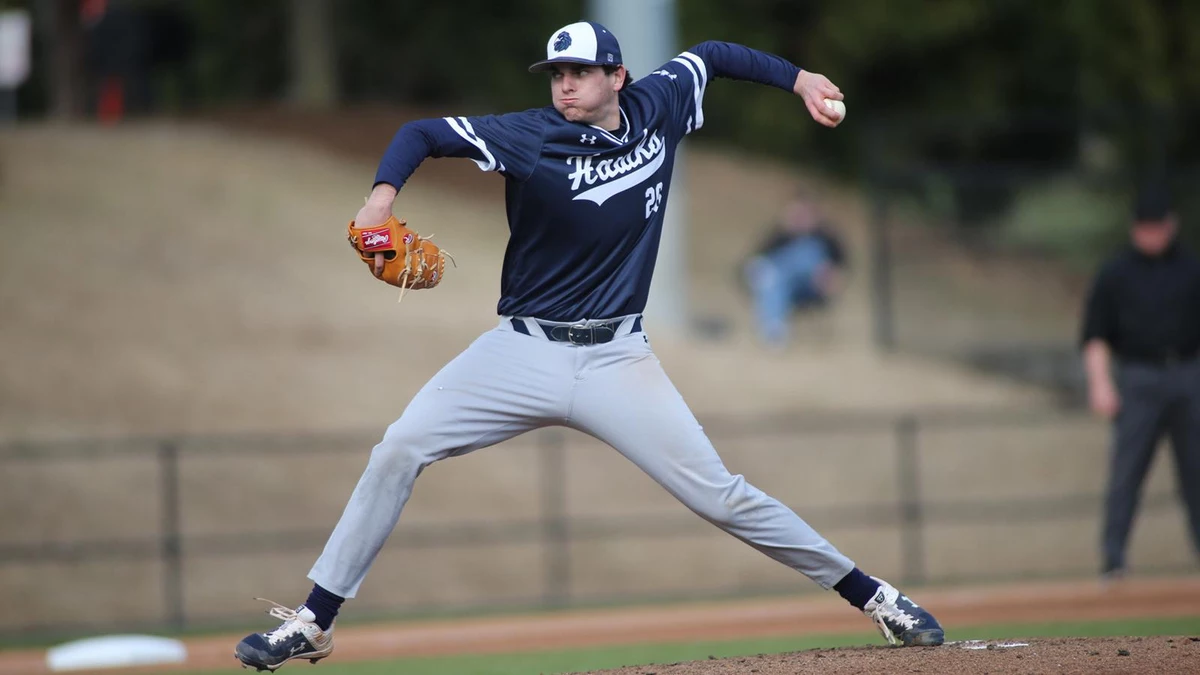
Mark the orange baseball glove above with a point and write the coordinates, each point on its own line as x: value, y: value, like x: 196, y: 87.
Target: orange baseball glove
x: 411, y: 262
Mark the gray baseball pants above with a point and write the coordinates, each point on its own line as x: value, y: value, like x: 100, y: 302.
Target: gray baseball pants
x: 506, y: 383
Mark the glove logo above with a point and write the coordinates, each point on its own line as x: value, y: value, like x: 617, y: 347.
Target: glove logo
x: 373, y: 239
x: 411, y: 262
x: 562, y: 41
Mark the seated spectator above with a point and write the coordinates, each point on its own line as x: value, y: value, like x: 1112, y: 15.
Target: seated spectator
x: 799, y: 266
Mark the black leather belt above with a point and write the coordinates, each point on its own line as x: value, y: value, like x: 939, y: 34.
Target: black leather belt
x: 583, y: 334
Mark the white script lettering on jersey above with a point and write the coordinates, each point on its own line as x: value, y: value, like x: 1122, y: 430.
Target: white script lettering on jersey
x: 620, y: 173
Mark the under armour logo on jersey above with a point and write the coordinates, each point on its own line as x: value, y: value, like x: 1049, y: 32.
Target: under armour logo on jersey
x: 590, y: 140
x: 562, y: 41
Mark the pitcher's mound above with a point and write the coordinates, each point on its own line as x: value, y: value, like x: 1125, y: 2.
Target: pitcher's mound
x: 1066, y: 656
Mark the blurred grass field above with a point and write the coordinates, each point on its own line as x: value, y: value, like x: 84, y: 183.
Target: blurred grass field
x: 582, y: 660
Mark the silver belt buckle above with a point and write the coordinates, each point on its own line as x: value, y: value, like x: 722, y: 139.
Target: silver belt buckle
x: 576, y: 334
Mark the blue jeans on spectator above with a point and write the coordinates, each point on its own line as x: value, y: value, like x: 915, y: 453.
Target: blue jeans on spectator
x: 782, y: 280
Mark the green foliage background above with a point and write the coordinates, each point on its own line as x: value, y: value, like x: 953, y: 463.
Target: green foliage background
x: 1074, y: 65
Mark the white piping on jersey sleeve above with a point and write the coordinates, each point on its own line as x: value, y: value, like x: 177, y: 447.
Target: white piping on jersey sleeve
x: 699, y: 71
x: 463, y: 128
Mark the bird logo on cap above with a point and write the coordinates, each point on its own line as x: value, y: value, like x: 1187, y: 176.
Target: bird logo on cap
x: 562, y: 41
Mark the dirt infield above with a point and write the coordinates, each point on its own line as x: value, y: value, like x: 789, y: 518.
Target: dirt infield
x: 823, y: 614
x: 1074, y: 656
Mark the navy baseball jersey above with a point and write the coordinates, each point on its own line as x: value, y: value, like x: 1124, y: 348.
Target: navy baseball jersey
x: 585, y: 206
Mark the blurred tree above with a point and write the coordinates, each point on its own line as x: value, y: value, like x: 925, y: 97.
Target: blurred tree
x: 62, y: 35
x: 1035, y: 81
x: 468, y: 51
x: 240, y: 54
x: 955, y: 71
x: 313, y: 68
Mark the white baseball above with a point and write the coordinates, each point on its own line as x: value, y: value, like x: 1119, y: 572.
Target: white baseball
x: 838, y: 108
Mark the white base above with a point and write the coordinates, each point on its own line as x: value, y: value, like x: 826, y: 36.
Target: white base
x: 115, y: 651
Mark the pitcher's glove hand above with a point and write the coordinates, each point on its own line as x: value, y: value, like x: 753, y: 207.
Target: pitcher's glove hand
x: 410, y: 261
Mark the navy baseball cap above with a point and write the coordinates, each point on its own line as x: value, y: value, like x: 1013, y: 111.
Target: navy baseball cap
x: 586, y: 42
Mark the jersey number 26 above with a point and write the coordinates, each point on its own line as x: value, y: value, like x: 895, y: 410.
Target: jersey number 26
x: 653, y: 199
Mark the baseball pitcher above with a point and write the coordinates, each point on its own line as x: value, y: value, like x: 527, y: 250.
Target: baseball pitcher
x: 586, y: 180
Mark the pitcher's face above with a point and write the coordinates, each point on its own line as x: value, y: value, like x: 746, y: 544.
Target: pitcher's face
x: 584, y: 93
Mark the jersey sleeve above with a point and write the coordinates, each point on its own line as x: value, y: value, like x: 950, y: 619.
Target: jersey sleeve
x: 682, y: 81
x: 680, y: 84
x: 509, y: 143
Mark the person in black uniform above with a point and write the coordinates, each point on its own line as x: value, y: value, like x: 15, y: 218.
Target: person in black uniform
x: 1143, y: 312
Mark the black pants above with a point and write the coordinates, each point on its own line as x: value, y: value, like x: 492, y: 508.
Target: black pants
x: 1155, y: 401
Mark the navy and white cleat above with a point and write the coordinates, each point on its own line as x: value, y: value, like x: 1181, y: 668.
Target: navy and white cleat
x: 298, y: 637
x: 902, y: 621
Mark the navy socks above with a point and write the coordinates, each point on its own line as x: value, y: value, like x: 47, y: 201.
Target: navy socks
x: 324, y: 605
x: 857, y: 588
